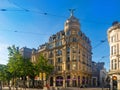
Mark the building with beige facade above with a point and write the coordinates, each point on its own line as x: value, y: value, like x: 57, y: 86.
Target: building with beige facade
x: 114, y: 43
x: 69, y: 50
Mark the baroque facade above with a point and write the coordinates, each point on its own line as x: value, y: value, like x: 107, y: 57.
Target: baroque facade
x: 114, y: 43
x: 70, y: 52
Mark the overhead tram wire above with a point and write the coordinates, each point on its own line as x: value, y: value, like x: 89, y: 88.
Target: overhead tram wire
x: 49, y: 14
x: 18, y: 5
x: 46, y: 13
x: 101, y: 42
x: 27, y: 10
x: 106, y: 56
x: 38, y: 12
x: 33, y: 33
x: 6, y: 10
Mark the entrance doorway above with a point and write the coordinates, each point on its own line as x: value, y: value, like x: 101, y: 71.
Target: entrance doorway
x: 51, y: 81
x: 68, y: 81
x: 59, y: 81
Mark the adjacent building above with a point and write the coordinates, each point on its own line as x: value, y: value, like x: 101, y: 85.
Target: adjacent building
x: 26, y: 52
x: 99, y: 74
x: 114, y: 44
x: 69, y: 50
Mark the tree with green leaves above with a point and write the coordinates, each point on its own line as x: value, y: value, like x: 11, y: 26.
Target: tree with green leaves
x: 5, y: 75
x: 14, y: 62
x: 43, y: 66
x: 18, y: 65
x: 2, y: 75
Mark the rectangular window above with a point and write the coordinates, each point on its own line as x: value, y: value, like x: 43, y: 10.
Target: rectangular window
x: 50, y: 46
x: 68, y: 58
x: 68, y: 66
x: 114, y: 49
x: 111, y: 50
x: 115, y: 64
x: 118, y: 49
x: 59, y: 60
x: 58, y: 43
x: 114, y: 39
x: 59, y: 68
x: 112, y: 64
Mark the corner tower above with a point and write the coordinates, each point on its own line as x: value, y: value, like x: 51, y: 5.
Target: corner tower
x: 69, y: 51
x: 72, y: 24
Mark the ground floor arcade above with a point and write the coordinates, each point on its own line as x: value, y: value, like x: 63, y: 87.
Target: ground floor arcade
x: 70, y: 80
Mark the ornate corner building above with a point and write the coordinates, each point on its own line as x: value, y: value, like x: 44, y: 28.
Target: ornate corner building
x: 70, y: 52
x: 114, y: 43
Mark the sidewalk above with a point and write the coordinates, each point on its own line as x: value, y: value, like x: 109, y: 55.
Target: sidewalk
x: 68, y: 88
x: 6, y: 88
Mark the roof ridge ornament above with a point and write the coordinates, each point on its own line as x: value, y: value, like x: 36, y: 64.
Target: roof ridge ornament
x: 71, y: 12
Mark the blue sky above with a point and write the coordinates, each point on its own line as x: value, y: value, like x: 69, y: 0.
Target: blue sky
x: 32, y: 28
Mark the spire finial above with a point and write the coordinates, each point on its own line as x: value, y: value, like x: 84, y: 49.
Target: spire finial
x: 71, y: 11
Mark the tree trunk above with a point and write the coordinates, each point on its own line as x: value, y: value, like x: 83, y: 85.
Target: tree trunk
x: 33, y: 82
x: 0, y: 85
x: 24, y: 82
x: 9, y: 85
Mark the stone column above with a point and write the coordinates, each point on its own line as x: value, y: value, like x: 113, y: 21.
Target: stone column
x: 81, y: 80
x: 77, y: 80
x: 64, y: 84
x: 54, y: 81
x: 70, y: 84
x: 118, y: 84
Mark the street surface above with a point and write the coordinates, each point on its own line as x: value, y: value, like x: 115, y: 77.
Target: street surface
x: 70, y: 88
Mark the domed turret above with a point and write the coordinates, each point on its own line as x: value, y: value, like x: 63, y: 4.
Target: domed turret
x: 72, y: 22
